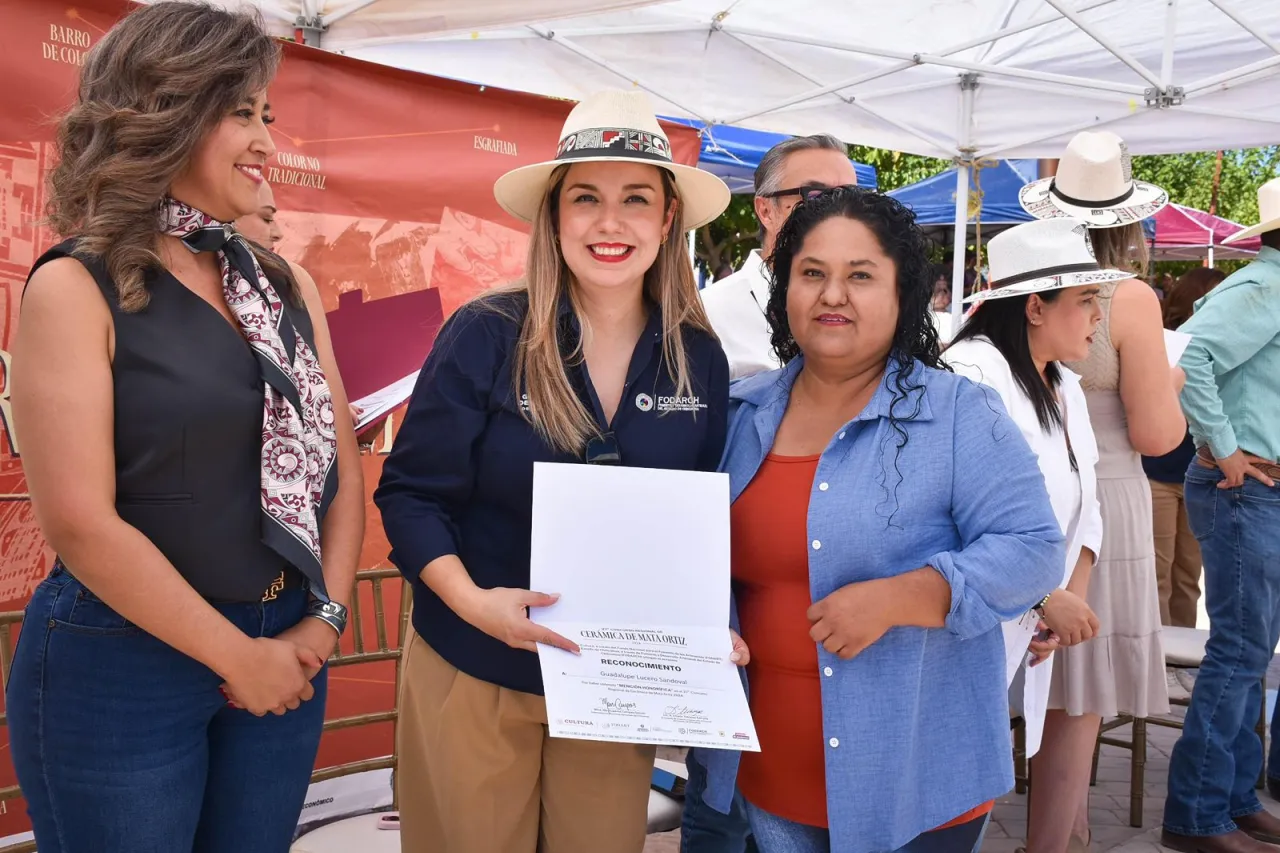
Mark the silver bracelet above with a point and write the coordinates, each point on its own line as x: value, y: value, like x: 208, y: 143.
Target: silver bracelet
x: 333, y: 623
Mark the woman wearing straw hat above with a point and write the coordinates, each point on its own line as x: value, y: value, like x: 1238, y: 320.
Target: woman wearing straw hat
x: 1132, y: 398
x: 1043, y: 309
x: 579, y: 362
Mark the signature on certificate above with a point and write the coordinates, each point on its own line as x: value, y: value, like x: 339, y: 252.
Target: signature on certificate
x: 617, y: 705
x: 682, y: 712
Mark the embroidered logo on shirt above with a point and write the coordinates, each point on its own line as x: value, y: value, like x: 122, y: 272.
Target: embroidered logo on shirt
x: 680, y: 404
x: 644, y: 402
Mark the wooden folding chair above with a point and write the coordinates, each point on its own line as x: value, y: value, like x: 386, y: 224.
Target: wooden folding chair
x: 361, y: 832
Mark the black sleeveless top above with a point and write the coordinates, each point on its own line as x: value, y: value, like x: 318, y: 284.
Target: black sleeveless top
x: 188, y: 435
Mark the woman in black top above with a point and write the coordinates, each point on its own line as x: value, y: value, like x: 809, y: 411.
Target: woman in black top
x: 175, y: 388
x: 602, y: 354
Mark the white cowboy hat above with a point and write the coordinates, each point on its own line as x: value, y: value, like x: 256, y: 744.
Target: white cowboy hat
x: 616, y: 127
x: 1046, y: 254
x: 1095, y: 184
x: 1268, y: 212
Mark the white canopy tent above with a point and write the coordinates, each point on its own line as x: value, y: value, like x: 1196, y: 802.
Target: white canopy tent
x: 960, y: 79
x: 339, y: 24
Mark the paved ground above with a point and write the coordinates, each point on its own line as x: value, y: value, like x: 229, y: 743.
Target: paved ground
x: 1108, y: 805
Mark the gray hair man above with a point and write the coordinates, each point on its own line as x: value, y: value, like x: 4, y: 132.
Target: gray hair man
x: 736, y: 304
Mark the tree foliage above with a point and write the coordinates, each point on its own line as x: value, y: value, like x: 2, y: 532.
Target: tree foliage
x: 1188, y: 178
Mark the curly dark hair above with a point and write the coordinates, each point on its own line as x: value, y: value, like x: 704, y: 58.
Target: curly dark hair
x: 916, y: 337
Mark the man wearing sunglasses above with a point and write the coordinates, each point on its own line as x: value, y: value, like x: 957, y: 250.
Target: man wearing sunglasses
x: 787, y: 173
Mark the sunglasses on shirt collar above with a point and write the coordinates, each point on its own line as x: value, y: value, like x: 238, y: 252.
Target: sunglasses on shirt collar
x: 808, y: 191
x: 603, y: 450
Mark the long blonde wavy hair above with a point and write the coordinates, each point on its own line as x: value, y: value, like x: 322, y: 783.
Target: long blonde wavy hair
x: 1123, y: 248
x: 155, y: 85
x: 540, y: 370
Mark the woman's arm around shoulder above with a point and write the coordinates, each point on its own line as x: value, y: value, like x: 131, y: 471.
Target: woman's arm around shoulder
x: 1147, y: 387
x: 1011, y: 551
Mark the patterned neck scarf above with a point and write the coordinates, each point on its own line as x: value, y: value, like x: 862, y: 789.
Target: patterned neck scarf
x: 299, y: 443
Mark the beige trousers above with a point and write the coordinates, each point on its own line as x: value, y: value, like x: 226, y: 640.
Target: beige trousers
x: 478, y: 772
x: 1177, y: 556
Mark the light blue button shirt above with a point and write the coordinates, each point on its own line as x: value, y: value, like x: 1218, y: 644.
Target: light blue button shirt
x: 1232, y: 395
x: 916, y: 727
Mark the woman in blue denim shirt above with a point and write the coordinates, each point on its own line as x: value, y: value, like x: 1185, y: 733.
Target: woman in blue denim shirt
x: 878, y: 674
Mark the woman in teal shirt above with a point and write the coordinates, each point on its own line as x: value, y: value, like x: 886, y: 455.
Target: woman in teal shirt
x: 928, y: 524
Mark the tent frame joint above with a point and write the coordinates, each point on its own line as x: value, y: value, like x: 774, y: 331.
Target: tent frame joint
x: 1163, y: 99
x: 310, y: 30
x: 969, y: 81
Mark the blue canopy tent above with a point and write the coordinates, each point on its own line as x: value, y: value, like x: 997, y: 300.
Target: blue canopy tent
x: 734, y: 152
x: 934, y: 198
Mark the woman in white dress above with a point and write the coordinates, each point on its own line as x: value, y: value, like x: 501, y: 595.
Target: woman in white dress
x: 1043, y: 309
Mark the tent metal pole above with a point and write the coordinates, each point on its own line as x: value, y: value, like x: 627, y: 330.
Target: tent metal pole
x: 1069, y: 130
x: 310, y: 31
x: 1231, y: 114
x: 987, y: 38
x: 614, y: 69
x: 337, y: 15
x: 959, y: 240
x: 1231, y: 13
x: 1234, y: 76
x: 571, y: 32
x: 1170, y: 31
x: 968, y: 87
x: 1114, y: 98
x: 1114, y: 49
x: 938, y: 59
x: 848, y: 83
x: 895, y: 91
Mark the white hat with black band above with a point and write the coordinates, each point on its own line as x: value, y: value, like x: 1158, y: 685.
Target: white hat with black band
x: 1095, y: 184
x: 620, y: 127
x: 1268, y: 212
x: 1047, y: 254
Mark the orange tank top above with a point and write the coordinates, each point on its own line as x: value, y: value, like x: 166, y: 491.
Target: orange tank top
x: 769, y: 542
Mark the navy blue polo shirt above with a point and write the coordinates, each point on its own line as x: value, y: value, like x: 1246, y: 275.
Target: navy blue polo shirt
x: 459, y: 479
x: 1172, y: 467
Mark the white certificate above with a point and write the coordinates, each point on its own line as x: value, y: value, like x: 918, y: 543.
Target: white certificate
x: 640, y: 559
x: 1175, y: 344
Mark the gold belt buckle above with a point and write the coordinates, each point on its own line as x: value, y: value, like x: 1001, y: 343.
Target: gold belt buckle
x: 277, y: 586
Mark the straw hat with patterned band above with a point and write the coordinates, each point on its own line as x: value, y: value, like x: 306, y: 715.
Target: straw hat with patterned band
x: 1268, y: 212
x: 1095, y: 184
x: 1047, y: 254
x: 620, y: 127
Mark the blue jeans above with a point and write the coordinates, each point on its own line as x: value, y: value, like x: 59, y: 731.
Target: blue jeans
x: 122, y: 744
x: 1273, y: 757
x: 702, y: 828
x: 778, y: 835
x: 1217, y: 759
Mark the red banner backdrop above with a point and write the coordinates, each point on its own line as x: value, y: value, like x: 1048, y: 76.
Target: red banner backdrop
x: 384, y: 182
